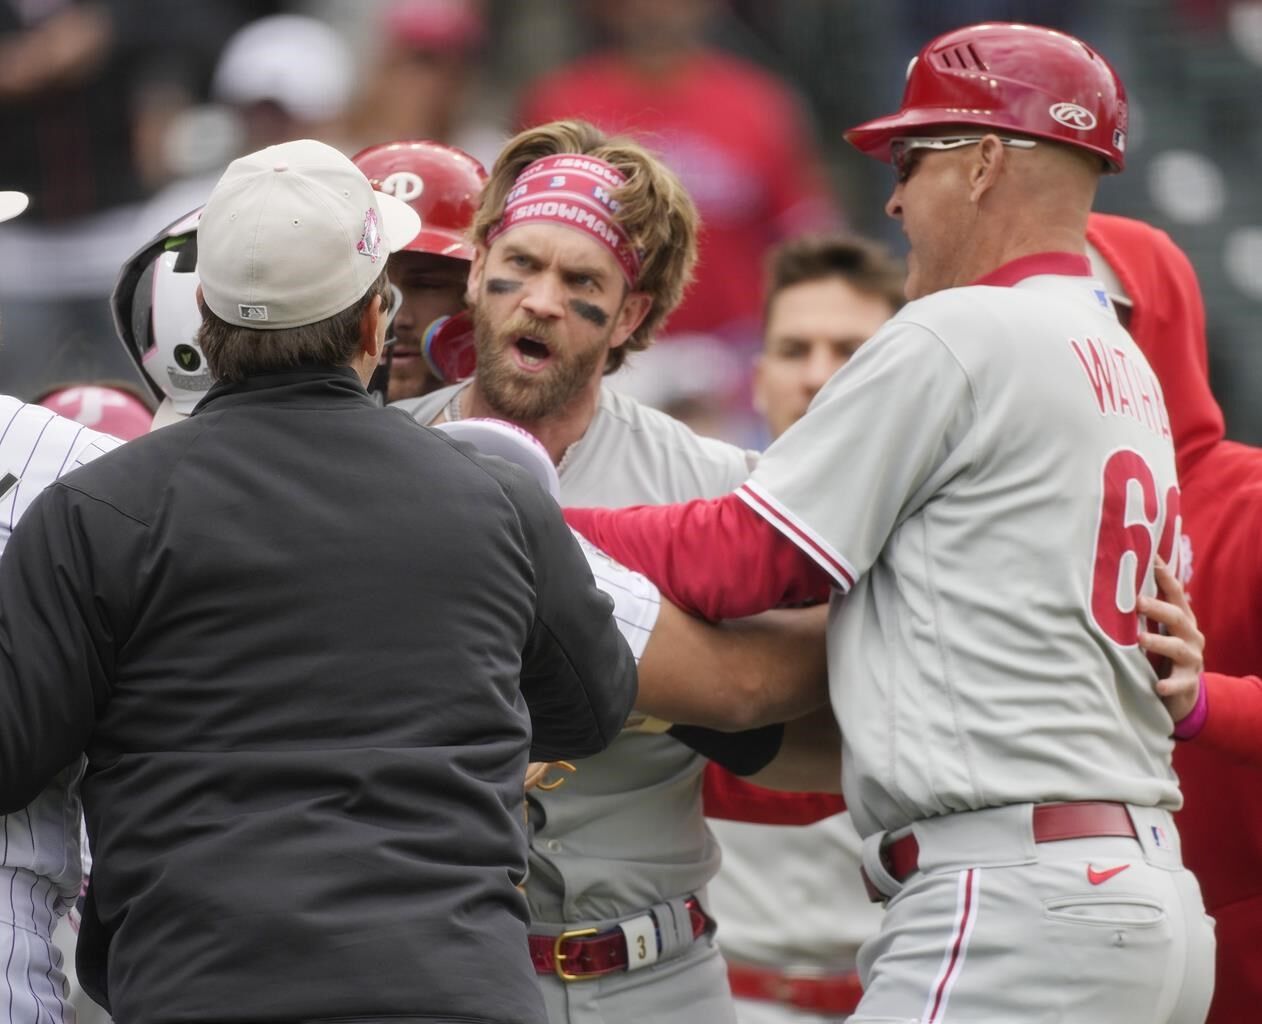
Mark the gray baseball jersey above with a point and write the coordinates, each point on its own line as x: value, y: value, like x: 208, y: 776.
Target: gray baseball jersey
x: 626, y: 831
x: 41, y: 869
x: 1014, y: 482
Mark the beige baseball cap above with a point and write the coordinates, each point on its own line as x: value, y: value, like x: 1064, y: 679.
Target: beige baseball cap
x: 293, y: 234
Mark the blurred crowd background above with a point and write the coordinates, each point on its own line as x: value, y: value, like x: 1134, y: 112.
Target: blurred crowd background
x: 117, y: 116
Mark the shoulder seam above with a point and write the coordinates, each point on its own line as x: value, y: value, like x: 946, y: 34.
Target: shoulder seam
x: 101, y: 501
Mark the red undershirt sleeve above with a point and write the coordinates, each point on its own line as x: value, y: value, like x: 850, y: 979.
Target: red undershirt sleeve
x: 715, y: 558
x: 1234, y: 720
x: 731, y: 798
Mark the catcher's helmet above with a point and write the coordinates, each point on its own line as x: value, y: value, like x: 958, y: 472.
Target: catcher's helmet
x: 1018, y: 78
x: 157, y: 317
x: 439, y: 182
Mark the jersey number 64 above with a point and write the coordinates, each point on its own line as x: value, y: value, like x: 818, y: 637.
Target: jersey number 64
x: 1133, y: 517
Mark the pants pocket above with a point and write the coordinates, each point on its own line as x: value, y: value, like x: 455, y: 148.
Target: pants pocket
x: 1105, y: 911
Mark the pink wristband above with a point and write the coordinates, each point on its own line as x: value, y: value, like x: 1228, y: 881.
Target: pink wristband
x: 1193, y: 722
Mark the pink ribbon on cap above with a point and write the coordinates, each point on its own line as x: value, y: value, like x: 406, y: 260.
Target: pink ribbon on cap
x: 574, y: 191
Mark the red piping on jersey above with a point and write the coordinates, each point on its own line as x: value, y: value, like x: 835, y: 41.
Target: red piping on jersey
x: 790, y: 528
x: 717, y: 558
x: 1062, y: 264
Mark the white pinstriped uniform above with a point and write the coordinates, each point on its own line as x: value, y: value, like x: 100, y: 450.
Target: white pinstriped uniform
x: 636, y: 599
x: 41, y: 867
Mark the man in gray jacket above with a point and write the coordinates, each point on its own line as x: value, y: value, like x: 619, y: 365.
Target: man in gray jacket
x: 308, y: 648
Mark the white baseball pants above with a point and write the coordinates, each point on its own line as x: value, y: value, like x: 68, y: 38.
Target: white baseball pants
x: 996, y: 929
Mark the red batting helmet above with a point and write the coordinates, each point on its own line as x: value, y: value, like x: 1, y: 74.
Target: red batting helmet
x: 1018, y: 78
x: 439, y: 182
x: 105, y: 408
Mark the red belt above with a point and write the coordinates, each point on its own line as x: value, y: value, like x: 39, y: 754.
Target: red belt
x: 830, y: 994
x: 586, y: 953
x: 1052, y: 823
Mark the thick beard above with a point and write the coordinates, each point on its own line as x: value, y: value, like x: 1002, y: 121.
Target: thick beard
x: 529, y: 399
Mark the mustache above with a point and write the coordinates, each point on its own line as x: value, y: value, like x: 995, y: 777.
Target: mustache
x: 540, y: 330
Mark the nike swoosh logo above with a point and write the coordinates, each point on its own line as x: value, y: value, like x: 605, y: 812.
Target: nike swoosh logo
x: 1100, y: 877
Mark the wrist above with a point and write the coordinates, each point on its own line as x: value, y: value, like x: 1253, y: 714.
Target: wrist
x: 1193, y: 722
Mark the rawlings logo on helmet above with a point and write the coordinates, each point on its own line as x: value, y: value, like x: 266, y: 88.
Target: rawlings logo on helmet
x: 1072, y: 116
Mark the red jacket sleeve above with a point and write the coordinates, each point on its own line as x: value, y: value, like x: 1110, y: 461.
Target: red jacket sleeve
x: 726, y: 796
x: 1234, y: 720
x: 715, y: 558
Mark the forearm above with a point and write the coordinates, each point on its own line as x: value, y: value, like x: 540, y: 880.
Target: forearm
x: 736, y: 675
x: 718, y: 558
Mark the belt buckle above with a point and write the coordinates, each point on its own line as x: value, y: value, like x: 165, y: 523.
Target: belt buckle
x: 558, y: 957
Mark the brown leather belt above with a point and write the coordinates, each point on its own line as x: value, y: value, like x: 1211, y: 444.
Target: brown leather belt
x: 581, y: 953
x: 823, y: 994
x: 1052, y: 823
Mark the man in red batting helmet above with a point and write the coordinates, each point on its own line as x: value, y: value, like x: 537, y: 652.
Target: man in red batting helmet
x: 989, y: 487
x: 441, y: 183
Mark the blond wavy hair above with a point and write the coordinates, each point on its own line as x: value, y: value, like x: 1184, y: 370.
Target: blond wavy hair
x: 657, y: 213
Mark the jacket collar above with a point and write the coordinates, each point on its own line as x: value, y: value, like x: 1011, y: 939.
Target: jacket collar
x: 300, y: 384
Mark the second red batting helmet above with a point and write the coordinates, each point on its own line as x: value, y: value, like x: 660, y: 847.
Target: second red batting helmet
x: 439, y: 182
x: 1004, y: 77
